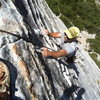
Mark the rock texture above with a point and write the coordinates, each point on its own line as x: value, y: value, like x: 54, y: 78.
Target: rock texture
x: 32, y: 76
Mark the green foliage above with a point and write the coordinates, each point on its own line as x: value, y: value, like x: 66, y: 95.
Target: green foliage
x: 66, y: 21
x: 94, y: 57
x: 95, y: 43
x: 54, y: 6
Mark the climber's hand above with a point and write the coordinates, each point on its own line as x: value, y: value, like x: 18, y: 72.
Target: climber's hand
x: 45, y: 52
x: 45, y: 31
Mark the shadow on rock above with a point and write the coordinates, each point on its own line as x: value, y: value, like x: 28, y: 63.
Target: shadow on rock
x: 69, y: 66
x: 80, y: 93
x: 73, y: 66
x: 68, y: 93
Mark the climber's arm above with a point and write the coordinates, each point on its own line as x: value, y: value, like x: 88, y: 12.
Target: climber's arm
x: 53, y: 34
x: 54, y: 54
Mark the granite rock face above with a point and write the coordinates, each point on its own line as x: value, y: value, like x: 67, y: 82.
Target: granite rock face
x: 34, y: 77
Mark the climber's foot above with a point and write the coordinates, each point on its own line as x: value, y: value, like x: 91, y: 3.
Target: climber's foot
x: 4, y: 82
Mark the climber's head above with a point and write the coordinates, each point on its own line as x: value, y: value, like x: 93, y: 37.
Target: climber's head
x: 72, y: 32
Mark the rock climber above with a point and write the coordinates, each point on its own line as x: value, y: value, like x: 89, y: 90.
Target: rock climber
x: 68, y: 45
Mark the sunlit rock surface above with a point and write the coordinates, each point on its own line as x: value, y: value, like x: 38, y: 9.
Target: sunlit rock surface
x: 32, y: 76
